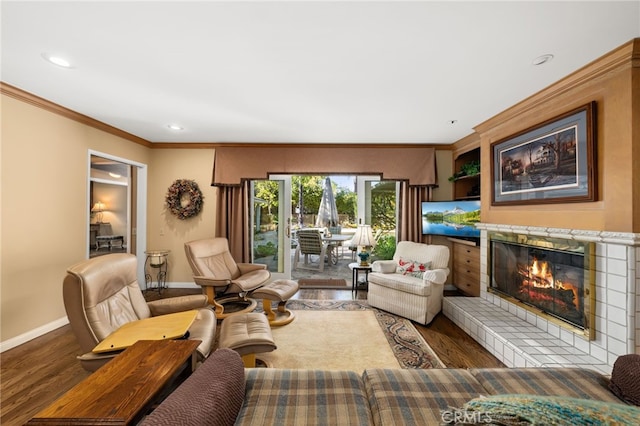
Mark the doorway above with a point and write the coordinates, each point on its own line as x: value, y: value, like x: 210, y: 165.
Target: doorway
x: 116, y: 211
x: 285, y: 204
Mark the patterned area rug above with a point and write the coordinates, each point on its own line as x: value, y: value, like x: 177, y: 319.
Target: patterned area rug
x: 408, y: 346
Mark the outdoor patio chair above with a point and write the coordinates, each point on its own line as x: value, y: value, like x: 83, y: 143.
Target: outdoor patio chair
x: 310, y: 244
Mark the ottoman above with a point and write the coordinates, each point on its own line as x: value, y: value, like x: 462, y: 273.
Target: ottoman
x: 247, y: 334
x: 279, y: 291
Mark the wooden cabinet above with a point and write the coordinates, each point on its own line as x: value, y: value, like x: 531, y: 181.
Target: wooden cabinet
x: 466, y: 266
x: 466, y: 186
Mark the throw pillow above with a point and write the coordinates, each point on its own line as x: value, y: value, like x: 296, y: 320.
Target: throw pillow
x: 625, y: 378
x: 412, y: 267
x: 212, y: 395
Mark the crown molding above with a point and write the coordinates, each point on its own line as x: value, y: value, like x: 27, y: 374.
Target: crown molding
x: 625, y: 56
x: 31, y: 99
x: 209, y: 145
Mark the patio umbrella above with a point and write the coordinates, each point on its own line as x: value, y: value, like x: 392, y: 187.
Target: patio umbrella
x: 327, y: 212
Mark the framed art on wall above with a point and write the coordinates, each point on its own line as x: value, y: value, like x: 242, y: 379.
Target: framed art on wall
x: 553, y: 162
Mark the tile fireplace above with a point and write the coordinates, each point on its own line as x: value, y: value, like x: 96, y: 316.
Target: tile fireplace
x: 588, y: 296
x: 550, y: 276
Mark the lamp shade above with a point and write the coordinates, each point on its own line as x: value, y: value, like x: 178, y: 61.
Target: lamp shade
x: 98, y: 207
x: 363, y: 237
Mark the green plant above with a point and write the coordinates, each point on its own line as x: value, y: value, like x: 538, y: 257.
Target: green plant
x: 265, y: 250
x: 385, y: 247
x: 471, y: 168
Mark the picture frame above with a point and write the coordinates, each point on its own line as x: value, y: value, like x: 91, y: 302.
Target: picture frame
x: 552, y: 162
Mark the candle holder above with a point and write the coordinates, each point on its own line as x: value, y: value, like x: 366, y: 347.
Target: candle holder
x: 156, y: 264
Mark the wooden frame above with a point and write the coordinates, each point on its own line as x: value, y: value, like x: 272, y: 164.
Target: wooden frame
x: 553, y: 162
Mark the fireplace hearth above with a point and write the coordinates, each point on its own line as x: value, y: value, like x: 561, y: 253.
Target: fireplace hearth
x: 550, y: 276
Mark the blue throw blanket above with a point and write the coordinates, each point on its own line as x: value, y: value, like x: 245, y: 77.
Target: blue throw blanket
x: 550, y: 410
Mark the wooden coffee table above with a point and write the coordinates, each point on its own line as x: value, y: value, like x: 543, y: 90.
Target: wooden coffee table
x: 122, y: 391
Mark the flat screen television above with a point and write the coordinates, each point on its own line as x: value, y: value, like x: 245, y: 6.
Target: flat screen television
x: 451, y: 218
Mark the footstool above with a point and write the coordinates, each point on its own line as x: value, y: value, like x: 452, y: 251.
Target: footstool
x: 247, y: 334
x: 280, y: 291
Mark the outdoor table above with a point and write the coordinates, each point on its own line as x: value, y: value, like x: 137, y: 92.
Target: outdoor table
x: 333, y: 241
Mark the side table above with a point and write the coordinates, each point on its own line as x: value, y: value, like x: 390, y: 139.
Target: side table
x: 356, y: 267
x: 156, y: 261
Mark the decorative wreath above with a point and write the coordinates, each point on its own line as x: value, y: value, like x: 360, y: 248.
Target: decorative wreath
x: 184, y: 198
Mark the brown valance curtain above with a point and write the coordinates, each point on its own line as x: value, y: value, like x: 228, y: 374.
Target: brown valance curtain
x: 234, y: 167
x: 416, y: 165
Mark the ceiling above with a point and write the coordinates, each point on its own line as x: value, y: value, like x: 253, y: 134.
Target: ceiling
x: 301, y: 71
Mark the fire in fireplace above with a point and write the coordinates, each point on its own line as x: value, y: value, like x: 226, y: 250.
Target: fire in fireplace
x: 550, y: 275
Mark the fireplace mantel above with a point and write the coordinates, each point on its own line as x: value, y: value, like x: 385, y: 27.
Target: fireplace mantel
x: 621, y: 238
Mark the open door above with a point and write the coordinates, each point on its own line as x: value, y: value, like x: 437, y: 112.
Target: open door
x: 271, y: 217
x: 117, y: 206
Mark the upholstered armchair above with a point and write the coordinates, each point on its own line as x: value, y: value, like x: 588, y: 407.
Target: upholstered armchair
x: 222, y: 279
x: 102, y: 294
x: 412, y: 284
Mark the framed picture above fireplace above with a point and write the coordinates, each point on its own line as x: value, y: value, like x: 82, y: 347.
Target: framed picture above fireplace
x: 553, y: 162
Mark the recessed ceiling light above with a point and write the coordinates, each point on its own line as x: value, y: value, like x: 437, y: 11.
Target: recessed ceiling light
x: 543, y: 59
x: 57, y: 60
x: 114, y: 175
x: 175, y: 127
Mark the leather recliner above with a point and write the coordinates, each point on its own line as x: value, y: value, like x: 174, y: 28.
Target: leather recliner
x: 222, y: 279
x: 102, y: 294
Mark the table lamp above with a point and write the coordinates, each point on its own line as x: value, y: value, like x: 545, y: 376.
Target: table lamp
x: 98, y: 208
x: 363, y: 238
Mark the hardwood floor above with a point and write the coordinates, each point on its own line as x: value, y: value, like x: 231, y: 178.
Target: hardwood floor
x: 35, y: 374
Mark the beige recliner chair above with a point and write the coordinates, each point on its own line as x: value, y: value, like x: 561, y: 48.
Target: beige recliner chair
x: 222, y: 279
x: 412, y: 284
x: 102, y: 294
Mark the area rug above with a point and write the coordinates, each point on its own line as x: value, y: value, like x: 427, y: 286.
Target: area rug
x: 353, y: 336
x: 322, y: 282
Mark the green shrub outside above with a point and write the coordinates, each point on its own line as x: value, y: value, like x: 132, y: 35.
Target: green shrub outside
x: 385, y: 247
x: 265, y: 250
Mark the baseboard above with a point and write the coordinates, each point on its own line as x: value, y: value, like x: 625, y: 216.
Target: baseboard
x: 179, y: 285
x: 32, y: 334
x: 44, y: 329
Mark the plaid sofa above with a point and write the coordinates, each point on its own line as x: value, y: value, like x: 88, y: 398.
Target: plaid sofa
x: 398, y: 396
x: 222, y: 392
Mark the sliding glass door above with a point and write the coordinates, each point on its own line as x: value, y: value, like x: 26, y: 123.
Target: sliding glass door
x: 360, y: 200
x: 271, y: 221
